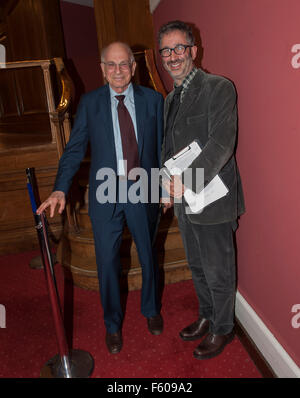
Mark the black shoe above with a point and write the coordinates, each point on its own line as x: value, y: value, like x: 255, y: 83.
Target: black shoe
x: 212, y: 345
x: 155, y: 324
x: 114, y: 342
x: 195, y: 331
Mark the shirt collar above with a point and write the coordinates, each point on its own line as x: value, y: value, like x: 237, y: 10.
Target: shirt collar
x: 127, y: 92
x: 186, y: 81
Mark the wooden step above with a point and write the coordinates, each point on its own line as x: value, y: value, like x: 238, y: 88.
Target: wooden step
x: 76, y: 253
x: 173, y: 269
x: 80, y: 244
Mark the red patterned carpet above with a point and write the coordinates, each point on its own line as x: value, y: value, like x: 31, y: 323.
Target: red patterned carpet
x: 29, y: 341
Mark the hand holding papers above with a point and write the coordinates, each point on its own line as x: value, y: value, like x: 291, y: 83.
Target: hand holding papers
x: 215, y: 190
x: 183, y: 159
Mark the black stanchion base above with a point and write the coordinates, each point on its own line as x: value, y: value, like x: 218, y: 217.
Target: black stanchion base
x: 81, y: 365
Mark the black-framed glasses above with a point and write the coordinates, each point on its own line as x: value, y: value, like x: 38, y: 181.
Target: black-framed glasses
x: 179, y: 50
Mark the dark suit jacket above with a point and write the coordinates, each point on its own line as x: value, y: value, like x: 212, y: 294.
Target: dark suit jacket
x: 94, y: 123
x: 208, y: 113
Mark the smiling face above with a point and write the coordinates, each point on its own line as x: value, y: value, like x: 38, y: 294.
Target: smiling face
x: 178, y: 66
x: 118, y: 77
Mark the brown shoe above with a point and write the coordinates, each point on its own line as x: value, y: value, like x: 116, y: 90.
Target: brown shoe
x: 114, y: 342
x: 155, y: 324
x: 212, y: 345
x: 195, y: 331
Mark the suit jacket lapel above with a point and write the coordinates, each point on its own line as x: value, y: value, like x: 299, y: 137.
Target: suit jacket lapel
x: 140, y: 114
x: 104, y: 118
x: 191, y: 94
x: 167, y: 106
x: 188, y: 100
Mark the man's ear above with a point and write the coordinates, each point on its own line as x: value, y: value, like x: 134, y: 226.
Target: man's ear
x: 102, y: 68
x: 194, y: 52
x: 133, y: 68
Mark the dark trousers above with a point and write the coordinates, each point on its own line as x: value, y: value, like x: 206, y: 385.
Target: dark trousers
x: 108, y: 239
x: 211, y: 257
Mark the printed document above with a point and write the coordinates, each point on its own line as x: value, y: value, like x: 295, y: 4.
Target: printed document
x: 215, y: 190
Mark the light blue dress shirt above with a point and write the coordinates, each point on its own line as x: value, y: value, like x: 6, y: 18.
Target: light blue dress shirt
x: 129, y: 103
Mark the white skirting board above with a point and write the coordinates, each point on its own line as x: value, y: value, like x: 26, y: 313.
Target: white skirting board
x: 276, y: 356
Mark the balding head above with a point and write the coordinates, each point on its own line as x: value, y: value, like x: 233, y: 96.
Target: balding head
x: 118, y: 65
x: 116, y: 46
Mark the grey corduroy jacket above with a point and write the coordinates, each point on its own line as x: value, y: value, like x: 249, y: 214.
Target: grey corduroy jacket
x: 208, y: 113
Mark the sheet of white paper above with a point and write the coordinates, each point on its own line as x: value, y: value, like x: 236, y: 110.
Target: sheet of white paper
x: 215, y: 190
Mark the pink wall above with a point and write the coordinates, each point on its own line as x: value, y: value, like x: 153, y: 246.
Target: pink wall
x: 250, y: 42
x: 81, y: 47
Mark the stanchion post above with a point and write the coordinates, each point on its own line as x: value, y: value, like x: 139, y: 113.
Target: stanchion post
x: 67, y: 363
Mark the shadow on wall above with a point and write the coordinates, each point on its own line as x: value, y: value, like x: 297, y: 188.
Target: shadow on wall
x: 198, y: 42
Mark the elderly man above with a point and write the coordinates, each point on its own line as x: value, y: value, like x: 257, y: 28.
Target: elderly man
x: 124, y: 124
x: 202, y: 107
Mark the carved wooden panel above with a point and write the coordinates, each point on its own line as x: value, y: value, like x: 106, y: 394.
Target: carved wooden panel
x: 24, y: 118
x: 29, y: 125
x: 127, y: 21
x: 34, y: 31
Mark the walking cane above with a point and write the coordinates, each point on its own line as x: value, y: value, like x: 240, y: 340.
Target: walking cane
x: 67, y: 363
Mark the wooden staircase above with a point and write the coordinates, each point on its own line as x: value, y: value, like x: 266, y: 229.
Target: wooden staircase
x: 76, y: 253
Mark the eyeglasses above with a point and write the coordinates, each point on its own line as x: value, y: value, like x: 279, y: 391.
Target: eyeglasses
x: 124, y: 66
x: 179, y: 50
